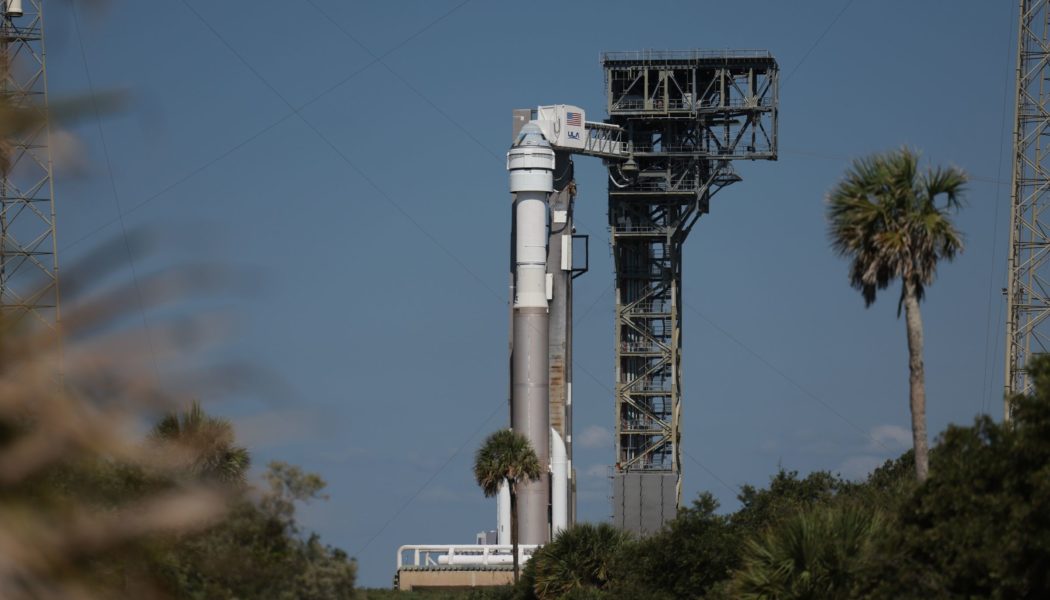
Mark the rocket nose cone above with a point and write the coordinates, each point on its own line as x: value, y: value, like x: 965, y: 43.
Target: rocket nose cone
x: 531, y: 135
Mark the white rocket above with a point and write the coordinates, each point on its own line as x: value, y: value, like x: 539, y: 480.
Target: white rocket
x: 531, y: 163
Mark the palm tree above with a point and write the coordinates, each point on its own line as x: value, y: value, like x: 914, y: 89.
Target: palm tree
x: 815, y: 553
x: 204, y: 445
x: 884, y: 217
x: 579, y: 559
x: 506, y: 457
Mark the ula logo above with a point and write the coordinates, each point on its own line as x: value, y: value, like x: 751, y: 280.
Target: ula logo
x: 574, y: 135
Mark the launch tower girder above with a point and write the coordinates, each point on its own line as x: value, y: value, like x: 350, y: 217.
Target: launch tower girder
x: 686, y: 117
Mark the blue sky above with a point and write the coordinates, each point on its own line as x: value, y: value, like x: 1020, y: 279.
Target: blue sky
x: 351, y: 156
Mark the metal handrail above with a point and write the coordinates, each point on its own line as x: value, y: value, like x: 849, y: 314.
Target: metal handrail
x: 653, y: 55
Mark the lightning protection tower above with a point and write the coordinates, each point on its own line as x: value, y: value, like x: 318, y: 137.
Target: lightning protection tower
x: 1028, y: 271
x: 28, y: 252
x: 686, y: 117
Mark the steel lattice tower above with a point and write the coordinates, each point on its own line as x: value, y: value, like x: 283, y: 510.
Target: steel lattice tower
x: 28, y: 251
x: 686, y: 117
x: 1028, y: 284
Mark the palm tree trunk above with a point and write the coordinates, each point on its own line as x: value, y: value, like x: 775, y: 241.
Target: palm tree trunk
x: 917, y: 381
x: 514, y: 528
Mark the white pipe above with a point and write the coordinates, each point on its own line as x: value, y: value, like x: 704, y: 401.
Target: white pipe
x: 430, y: 555
x: 503, y: 515
x: 14, y: 8
x: 480, y: 559
x: 559, y: 485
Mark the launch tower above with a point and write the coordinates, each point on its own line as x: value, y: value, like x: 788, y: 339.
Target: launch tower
x: 686, y: 116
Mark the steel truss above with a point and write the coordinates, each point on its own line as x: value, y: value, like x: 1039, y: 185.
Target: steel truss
x: 1028, y: 286
x: 686, y: 116
x: 28, y: 252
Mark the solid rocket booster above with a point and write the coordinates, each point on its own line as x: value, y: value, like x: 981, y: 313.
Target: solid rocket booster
x: 559, y: 485
x: 531, y: 165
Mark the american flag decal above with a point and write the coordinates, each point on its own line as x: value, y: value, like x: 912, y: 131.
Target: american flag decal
x: 573, y: 119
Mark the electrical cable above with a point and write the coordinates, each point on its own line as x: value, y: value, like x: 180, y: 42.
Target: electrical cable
x: 236, y: 147
x: 116, y: 195
x: 989, y: 356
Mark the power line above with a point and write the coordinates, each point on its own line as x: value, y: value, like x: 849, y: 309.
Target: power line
x: 988, y: 354
x: 474, y: 434
x: 458, y: 125
x: 843, y: 157
x: 785, y: 376
x: 233, y: 149
x: 817, y: 42
x: 113, y: 186
x: 429, y: 480
x: 361, y: 173
x: 421, y: 95
x: 602, y: 385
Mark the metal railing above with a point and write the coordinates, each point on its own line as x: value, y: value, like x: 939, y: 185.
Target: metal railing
x: 659, y: 55
x: 647, y: 385
x: 635, y: 103
x: 644, y: 347
x: 661, y: 307
x: 625, y: 227
x: 605, y: 140
x: 646, y: 425
x: 688, y: 184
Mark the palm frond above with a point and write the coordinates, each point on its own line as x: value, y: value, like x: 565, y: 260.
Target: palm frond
x: 505, y: 455
x: 884, y: 218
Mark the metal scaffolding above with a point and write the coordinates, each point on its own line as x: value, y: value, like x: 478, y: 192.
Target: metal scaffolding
x: 1028, y: 284
x: 28, y: 252
x: 687, y: 116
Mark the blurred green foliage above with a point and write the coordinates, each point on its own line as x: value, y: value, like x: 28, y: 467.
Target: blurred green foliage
x: 250, y: 546
x: 257, y: 550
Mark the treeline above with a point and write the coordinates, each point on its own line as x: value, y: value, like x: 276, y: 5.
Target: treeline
x: 978, y: 527
x: 90, y: 509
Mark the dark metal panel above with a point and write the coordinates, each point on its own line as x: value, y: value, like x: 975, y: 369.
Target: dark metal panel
x: 652, y: 509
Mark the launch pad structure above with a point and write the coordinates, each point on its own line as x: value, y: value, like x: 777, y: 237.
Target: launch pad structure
x: 686, y: 117
x: 676, y: 122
